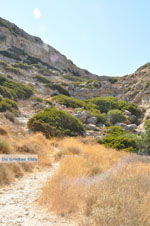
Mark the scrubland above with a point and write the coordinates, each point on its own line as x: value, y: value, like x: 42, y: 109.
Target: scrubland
x: 98, y: 186
x: 93, y: 185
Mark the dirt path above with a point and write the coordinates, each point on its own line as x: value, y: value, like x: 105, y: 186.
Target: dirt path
x: 17, y: 206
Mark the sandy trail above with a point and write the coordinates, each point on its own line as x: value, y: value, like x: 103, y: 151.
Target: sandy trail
x: 17, y: 202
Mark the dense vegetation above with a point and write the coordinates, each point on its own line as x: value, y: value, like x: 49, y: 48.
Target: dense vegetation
x: 108, y: 110
x: 69, y: 101
x: 115, y: 116
x: 144, y: 142
x: 7, y: 105
x: 14, y: 90
x: 53, y: 122
x: 105, y: 104
x: 120, y: 139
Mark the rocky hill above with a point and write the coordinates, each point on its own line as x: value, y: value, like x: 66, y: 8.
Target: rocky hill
x: 28, y: 60
x: 17, y: 45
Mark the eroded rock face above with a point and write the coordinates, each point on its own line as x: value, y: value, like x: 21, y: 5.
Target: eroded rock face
x: 16, y: 44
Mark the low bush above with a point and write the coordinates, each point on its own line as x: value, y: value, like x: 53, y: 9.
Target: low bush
x: 42, y: 79
x: 23, y: 66
x: 101, y: 117
x: 8, y: 105
x: 12, y: 69
x: 40, y: 100
x: 144, y: 142
x: 105, y: 104
x: 59, y: 88
x: 115, y: 116
x: 91, y: 84
x: 73, y: 78
x: 14, y: 90
x: 52, y: 122
x: 3, y: 63
x: 112, y: 80
x: 45, y: 72
x: 120, y: 139
x: 69, y: 101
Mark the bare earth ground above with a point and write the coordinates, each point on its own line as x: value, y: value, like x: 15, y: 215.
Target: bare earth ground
x: 18, y: 206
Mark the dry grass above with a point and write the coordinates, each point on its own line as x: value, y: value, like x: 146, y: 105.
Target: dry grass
x: 100, y: 186
x: 28, y: 144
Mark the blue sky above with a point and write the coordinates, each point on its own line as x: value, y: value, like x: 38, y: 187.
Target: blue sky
x: 107, y: 37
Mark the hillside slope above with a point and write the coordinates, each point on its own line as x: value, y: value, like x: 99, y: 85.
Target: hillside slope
x: 28, y: 60
x: 17, y: 45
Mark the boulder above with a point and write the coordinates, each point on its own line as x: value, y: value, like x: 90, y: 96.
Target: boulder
x: 91, y: 127
x: 82, y: 115
x: 131, y: 118
x: 127, y: 112
x: 122, y: 125
x: 100, y: 125
x: 92, y: 120
x: 131, y: 127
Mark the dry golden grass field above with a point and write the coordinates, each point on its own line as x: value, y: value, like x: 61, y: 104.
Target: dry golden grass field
x: 98, y: 186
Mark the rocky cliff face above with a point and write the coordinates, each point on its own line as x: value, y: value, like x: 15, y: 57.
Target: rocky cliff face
x: 17, y: 45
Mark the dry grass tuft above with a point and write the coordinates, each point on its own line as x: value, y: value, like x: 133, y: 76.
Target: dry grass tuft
x: 28, y: 144
x: 101, y: 186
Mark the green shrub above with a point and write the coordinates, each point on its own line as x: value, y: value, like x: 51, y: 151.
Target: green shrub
x: 53, y: 122
x: 40, y: 100
x: 91, y: 84
x: 124, y: 105
x: 144, y: 143
x: 7, y: 105
x: 42, y: 79
x: 37, y: 66
x: 59, y: 88
x: 3, y: 63
x: 120, y: 139
x: 115, y: 116
x: 73, y: 78
x: 105, y: 104
x: 12, y: 69
x: 6, y: 92
x: 101, y: 117
x: 69, y: 101
x: 23, y: 66
x: 45, y: 71
x: 14, y: 90
x: 112, y: 80
x: 121, y: 142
